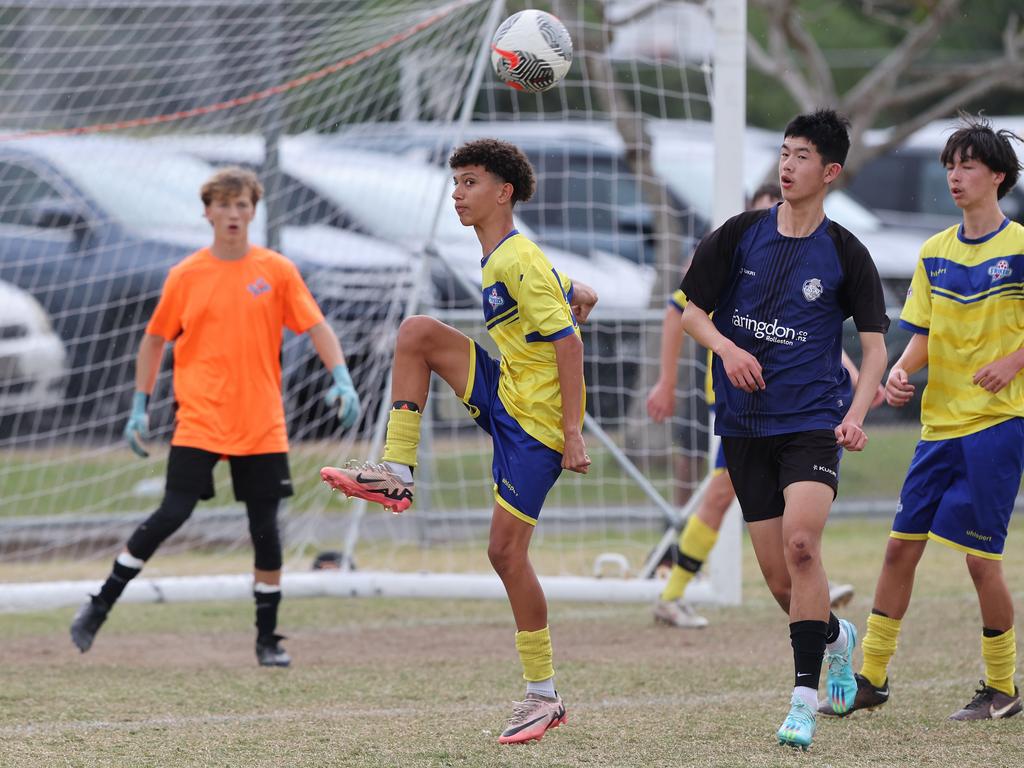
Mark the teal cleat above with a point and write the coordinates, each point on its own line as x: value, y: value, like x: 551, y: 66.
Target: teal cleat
x: 841, y: 684
x: 798, y: 728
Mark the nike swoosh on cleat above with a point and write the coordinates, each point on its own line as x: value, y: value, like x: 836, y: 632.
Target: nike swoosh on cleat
x: 524, y: 725
x: 998, y: 713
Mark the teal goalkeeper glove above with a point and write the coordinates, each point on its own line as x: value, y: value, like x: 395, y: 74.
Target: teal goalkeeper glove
x: 344, y: 394
x: 138, y: 424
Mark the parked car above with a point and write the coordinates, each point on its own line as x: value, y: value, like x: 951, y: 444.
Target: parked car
x: 587, y: 200
x: 684, y: 156
x: 398, y: 198
x: 907, y: 185
x: 90, y: 227
x: 33, y: 365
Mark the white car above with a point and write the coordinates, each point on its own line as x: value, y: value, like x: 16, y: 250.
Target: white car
x: 33, y: 364
x: 683, y: 155
x: 397, y: 200
x: 907, y: 185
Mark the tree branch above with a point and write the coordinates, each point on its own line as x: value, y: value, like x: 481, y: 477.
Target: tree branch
x: 811, y: 52
x: 777, y: 61
x: 896, y: 62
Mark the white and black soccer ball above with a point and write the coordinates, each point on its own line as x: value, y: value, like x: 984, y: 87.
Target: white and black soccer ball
x: 531, y: 51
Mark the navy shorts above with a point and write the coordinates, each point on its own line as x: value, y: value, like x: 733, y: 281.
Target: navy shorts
x: 260, y: 476
x: 961, y: 491
x: 524, y: 469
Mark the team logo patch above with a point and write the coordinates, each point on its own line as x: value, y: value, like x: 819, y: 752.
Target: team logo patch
x: 1000, y: 270
x: 812, y: 289
x: 259, y: 287
x: 494, y: 299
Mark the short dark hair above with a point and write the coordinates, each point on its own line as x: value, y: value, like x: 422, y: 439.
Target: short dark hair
x: 771, y: 189
x: 975, y: 139
x: 504, y: 160
x: 827, y: 130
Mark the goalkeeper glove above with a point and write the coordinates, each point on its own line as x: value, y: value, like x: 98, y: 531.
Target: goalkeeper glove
x: 138, y: 424
x: 344, y: 394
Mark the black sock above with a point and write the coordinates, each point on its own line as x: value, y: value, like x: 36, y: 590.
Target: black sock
x: 266, y: 612
x: 404, y: 405
x: 118, y: 579
x: 808, y: 639
x: 833, y: 629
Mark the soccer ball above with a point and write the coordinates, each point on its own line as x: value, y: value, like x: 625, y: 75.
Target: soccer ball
x: 531, y: 51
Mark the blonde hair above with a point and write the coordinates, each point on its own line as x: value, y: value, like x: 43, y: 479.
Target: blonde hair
x: 231, y: 182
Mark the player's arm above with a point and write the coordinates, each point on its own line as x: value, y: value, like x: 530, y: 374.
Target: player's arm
x: 710, y: 273
x: 852, y: 369
x: 342, y: 392
x: 582, y: 299
x: 850, y: 432
x: 898, y: 389
x: 569, y: 358
x: 997, y: 374
x: 147, y: 366
x: 741, y: 367
x: 661, y: 402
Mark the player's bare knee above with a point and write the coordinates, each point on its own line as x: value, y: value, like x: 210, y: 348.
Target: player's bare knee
x: 802, y: 550
x: 902, y: 555
x: 505, y: 556
x: 983, y: 570
x: 415, y: 332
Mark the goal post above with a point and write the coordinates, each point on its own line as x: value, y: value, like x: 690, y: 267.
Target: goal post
x: 352, y: 109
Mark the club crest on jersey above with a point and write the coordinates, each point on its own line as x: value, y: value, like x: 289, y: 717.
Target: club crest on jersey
x: 259, y: 287
x: 495, y: 300
x: 1000, y: 270
x: 812, y: 289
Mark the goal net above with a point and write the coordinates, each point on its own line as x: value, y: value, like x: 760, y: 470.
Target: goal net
x: 116, y: 111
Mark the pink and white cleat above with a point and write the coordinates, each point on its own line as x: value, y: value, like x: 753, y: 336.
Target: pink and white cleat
x: 372, y: 482
x: 532, y: 717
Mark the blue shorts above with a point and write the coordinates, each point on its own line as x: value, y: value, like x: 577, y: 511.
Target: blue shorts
x: 524, y: 469
x: 961, y: 491
x: 720, y: 465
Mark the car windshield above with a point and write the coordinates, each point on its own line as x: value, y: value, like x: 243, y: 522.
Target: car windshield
x: 396, y: 201
x: 142, y: 190
x: 688, y: 170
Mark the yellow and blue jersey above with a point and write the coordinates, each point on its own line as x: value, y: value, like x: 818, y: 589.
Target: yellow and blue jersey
x: 678, y: 301
x: 526, y: 306
x: 967, y: 295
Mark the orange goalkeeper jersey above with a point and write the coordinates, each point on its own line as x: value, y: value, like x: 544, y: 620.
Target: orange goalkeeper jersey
x: 227, y: 319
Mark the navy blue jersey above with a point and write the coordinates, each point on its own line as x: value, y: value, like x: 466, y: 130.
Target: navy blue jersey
x: 784, y: 300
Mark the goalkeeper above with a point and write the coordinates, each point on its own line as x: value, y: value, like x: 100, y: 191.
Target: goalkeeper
x: 225, y: 308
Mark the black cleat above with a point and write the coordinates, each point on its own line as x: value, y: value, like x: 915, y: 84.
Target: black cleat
x: 269, y: 652
x: 989, y: 704
x: 87, y: 623
x: 868, y: 697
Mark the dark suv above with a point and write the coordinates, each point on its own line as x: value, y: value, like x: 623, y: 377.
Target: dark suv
x: 90, y: 227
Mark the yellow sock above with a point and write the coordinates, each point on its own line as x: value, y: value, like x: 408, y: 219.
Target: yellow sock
x: 695, y: 544
x: 403, y: 437
x: 879, y: 645
x: 535, y: 654
x: 1000, y: 655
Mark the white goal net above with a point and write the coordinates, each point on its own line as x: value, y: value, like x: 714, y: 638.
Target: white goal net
x: 113, y: 112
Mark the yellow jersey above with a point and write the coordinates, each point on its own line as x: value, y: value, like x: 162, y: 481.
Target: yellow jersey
x: 526, y: 307
x: 678, y: 301
x: 967, y: 295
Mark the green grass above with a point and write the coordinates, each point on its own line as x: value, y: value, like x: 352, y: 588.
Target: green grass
x: 383, y: 683
x: 83, y: 481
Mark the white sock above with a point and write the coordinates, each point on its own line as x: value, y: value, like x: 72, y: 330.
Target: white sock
x: 543, y: 687
x: 809, y: 696
x: 403, y: 471
x: 839, y: 644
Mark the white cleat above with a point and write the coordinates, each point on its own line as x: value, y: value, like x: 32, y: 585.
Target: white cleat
x: 679, y: 614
